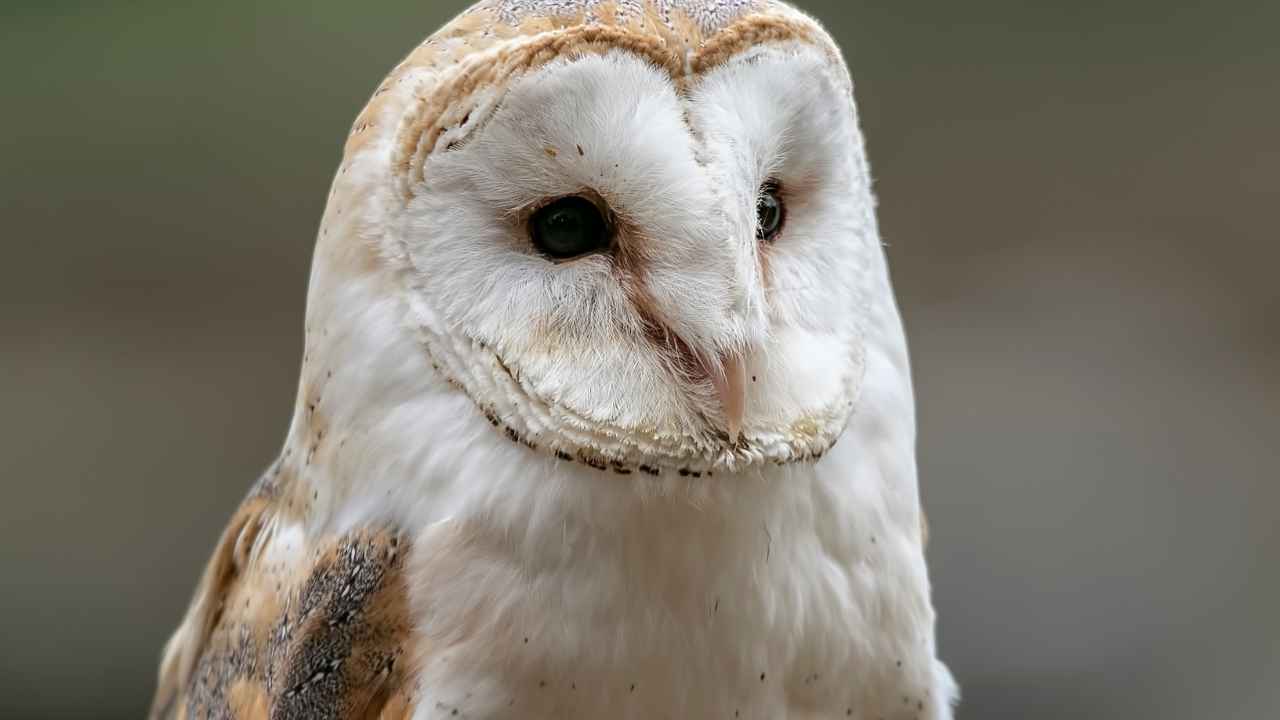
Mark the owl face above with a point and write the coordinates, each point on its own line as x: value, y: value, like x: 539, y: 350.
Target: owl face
x: 642, y: 250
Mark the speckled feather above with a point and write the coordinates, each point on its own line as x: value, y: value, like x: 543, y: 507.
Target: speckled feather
x: 709, y: 16
x: 327, y: 635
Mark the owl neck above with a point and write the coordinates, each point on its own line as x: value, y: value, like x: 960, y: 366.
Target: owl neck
x: 380, y: 438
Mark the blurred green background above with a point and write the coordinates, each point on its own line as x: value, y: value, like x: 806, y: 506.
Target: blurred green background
x: 1080, y: 203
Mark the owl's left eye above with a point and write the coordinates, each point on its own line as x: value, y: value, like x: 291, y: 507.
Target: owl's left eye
x: 569, y: 227
x: 770, y: 211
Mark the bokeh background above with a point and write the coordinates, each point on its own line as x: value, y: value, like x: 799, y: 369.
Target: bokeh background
x: 1080, y: 205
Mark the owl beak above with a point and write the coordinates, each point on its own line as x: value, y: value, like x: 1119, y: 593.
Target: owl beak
x: 730, y: 380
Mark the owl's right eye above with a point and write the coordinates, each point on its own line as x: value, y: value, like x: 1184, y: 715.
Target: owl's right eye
x: 569, y: 227
x: 770, y: 211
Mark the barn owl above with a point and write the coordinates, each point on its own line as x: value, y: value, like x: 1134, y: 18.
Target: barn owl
x: 605, y: 407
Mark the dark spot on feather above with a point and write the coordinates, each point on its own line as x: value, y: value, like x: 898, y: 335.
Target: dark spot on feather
x: 593, y: 462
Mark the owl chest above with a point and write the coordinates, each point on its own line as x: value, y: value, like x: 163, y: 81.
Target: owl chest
x: 788, y: 630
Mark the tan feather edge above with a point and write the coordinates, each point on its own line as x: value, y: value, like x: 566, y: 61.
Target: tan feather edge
x: 188, y: 641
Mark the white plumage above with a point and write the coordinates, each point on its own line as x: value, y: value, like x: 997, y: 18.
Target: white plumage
x: 673, y: 477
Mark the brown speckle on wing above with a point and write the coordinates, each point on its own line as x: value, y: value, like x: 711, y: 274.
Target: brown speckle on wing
x: 327, y: 639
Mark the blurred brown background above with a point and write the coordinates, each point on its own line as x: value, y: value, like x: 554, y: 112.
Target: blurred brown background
x: 1080, y: 201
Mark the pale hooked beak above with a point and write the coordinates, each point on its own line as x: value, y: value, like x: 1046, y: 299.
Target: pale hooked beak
x: 730, y: 380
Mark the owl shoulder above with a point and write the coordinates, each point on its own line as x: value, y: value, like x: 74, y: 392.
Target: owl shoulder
x: 283, y: 627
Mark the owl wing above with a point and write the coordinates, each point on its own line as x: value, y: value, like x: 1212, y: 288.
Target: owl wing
x: 282, y: 627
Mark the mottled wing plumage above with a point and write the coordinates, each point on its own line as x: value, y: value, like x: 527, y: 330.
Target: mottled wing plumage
x: 281, y: 631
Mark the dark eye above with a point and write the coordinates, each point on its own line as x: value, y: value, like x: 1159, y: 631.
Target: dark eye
x: 569, y: 227
x: 770, y: 211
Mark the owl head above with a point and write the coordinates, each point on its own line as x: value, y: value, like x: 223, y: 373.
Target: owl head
x: 637, y: 235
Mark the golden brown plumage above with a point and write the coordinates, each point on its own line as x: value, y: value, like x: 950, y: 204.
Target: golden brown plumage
x: 324, y: 636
